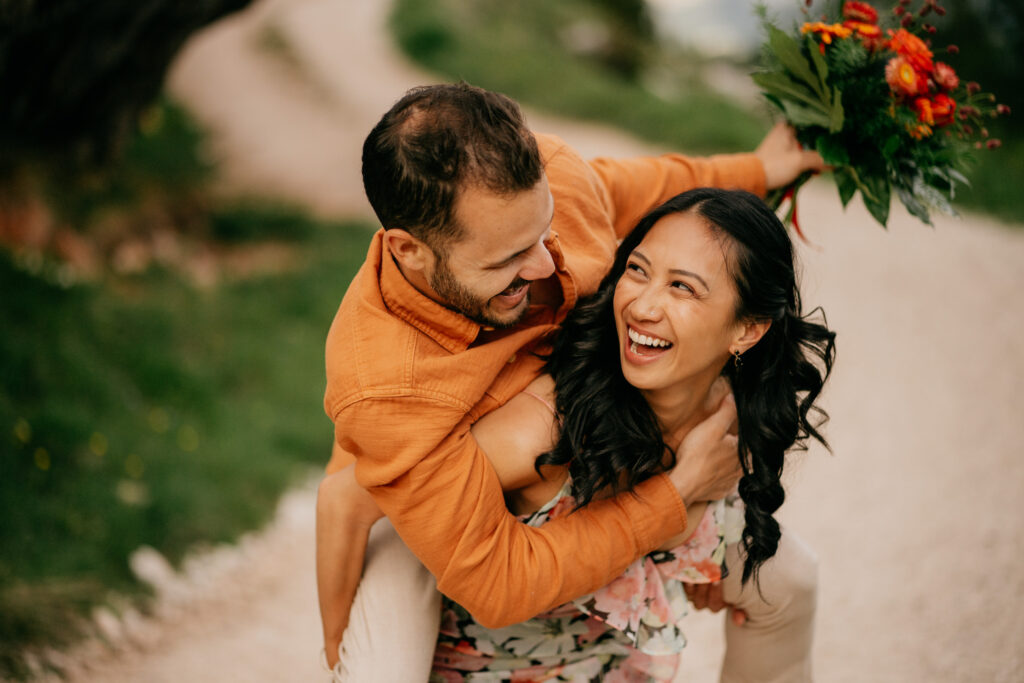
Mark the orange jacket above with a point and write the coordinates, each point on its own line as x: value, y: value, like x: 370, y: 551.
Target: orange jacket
x: 406, y: 378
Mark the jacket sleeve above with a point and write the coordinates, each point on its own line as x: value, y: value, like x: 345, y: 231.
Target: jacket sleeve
x: 445, y: 501
x: 635, y: 186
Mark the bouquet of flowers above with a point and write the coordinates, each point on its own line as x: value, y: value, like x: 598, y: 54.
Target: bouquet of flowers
x: 872, y: 98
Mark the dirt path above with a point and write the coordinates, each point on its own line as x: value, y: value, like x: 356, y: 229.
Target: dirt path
x: 917, y: 516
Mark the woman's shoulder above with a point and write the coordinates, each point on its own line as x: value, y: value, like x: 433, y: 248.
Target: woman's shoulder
x: 513, y: 435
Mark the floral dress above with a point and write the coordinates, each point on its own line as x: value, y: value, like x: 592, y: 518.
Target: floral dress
x: 626, y: 631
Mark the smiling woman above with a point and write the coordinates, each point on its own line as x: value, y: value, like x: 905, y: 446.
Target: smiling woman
x: 704, y: 278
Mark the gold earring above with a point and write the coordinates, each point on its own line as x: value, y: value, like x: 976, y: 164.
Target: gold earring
x: 737, y: 360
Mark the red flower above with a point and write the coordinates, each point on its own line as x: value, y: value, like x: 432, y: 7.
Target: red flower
x: 903, y: 78
x: 907, y: 45
x: 942, y: 110
x: 860, y: 12
x: 945, y: 76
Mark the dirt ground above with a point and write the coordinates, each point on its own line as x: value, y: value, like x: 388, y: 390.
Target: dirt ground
x: 917, y: 515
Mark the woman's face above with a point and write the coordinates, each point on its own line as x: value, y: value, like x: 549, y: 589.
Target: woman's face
x: 675, y: 306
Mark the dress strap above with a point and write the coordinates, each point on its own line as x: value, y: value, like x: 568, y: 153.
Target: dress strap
x: 542, y: 400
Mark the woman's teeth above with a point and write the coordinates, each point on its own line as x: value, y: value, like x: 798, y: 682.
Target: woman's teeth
x: 638, y: 339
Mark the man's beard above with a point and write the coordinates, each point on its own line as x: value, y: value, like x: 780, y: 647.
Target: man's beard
x: 458, y: 297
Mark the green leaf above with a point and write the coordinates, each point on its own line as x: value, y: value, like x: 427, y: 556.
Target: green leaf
x: 821, y: 66
x: 891, y: 145
x: 846, y: 185
x: 877, y: 200
x: 791, y: 56
x: 801, y: 116
x: 832, y: 150
x: 836, y: 119
x: 783, y: 87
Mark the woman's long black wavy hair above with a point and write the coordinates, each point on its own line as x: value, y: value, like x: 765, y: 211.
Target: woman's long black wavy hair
x: 610, y: 438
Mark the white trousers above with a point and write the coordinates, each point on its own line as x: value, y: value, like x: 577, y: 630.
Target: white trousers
x: 393, y: 626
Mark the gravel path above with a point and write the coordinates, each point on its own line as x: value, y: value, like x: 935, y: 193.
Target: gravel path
x: 917, y: 516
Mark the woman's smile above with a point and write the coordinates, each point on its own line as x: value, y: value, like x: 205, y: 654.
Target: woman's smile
x: 642, y: 347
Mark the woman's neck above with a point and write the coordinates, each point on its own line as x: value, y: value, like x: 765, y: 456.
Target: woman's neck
x: 680, y: 408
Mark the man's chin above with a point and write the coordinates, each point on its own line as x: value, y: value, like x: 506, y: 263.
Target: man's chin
x: 506, y: 319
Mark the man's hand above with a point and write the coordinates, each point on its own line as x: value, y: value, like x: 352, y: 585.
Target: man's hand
x: 707, y: 461
x: 783, y: 157
x: 709, y: 596
x: 344, y: 514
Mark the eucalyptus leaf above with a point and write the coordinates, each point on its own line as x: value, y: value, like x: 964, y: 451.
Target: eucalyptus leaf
x: 914, y: 206
x: 932, y: 196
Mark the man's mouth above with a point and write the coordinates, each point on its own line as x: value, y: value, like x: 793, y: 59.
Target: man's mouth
x: 646, y: 345
x: 513, y: 294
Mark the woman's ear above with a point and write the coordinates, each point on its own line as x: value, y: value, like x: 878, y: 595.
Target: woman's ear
x: 412, y: 254
x: 750, y: 333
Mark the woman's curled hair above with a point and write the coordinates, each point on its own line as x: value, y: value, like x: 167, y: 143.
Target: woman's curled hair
x: 610, y: 439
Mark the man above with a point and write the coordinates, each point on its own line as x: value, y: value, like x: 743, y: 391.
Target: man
x: 491, y: 234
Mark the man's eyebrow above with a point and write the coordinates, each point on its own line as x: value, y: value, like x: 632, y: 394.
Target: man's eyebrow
x: 677, y: 271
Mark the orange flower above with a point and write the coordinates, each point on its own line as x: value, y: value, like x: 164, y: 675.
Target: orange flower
x: 903, y: 79
x: 923, y: 107
x: 945, y: 76
x: 860, y: 12
x: 869, y: 34
x: 942, y: 110
x: 907, y: 45
x: 826, y: 32
x: 919, y: 131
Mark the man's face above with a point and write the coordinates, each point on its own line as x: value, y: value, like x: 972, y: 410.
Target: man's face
x: 486, y: 274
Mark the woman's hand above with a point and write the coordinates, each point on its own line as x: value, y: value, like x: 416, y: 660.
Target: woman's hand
x: 345, y: 511
x: 709, y: 596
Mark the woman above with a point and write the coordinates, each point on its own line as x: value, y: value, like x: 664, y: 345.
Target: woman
x: 704, y: 287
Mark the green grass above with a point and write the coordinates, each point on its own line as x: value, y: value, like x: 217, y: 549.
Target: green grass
x: 520, y: 48
x: 996, y: 180
x: 142, y: 410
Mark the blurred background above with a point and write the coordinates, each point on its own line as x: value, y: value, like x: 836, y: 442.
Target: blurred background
x: 181, y: 213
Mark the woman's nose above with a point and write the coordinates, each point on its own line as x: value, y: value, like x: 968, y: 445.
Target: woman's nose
x: 646, y: 306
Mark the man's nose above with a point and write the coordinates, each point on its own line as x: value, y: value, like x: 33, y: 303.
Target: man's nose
x: 539, y: 263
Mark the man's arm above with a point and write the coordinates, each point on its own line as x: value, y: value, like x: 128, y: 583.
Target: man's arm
x: 449, y: 509
x: 635, y: 186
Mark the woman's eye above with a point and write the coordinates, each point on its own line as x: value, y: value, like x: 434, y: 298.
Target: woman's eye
x: 683, y: 287
x: 634, y: 268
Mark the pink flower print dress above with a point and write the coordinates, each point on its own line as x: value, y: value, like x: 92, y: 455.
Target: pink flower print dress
x: 627, y: 631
